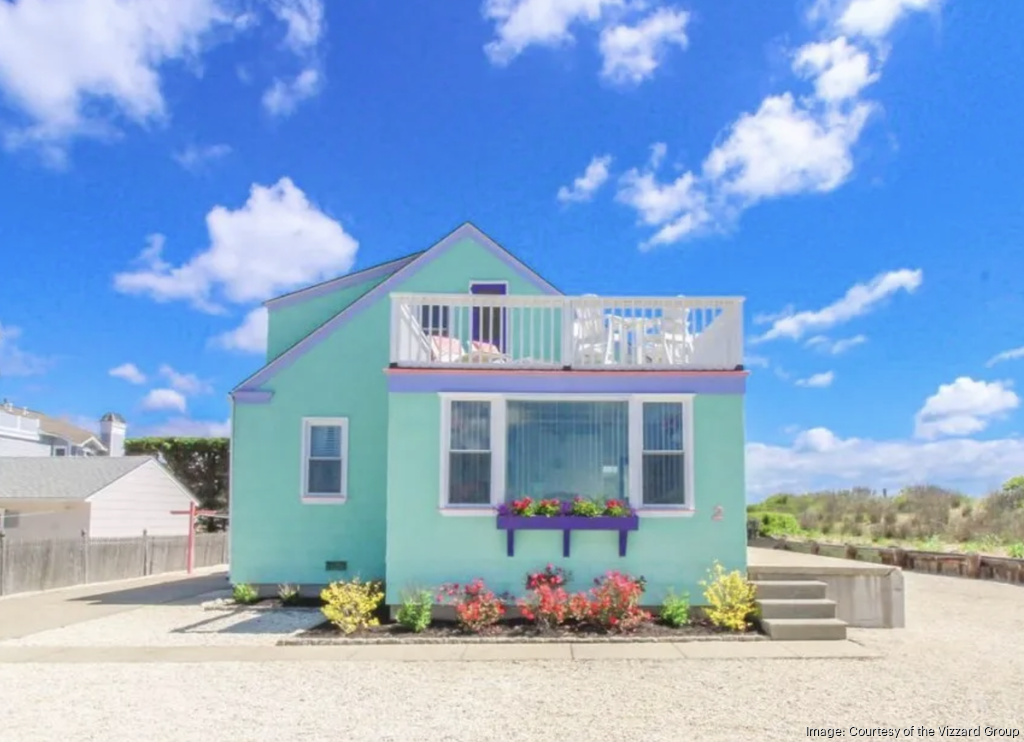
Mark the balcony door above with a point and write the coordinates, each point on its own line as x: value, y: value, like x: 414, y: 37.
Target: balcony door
x: 489, y: 323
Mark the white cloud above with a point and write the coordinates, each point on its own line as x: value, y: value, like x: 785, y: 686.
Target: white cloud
x: 14, y: 361
x: 753, y: 360
x: 129, y: 372
x: 835, y: 347
x: 193, y: 158
x: 188, y: 428
x: 785, y: 148
x: 585, y: 186
x: 818, y: 381
x: 874, y: 19
x: 1006, y: 355
x: 791, y: 144
x: 164, y: 399
x: 840, y: 70
x: 819, y: 459
x: 678, y: 208
x: 305, y: 22
x: 523, y: 23
x: 859, y: 300
x: 632, y: 53
x: 188, y: 384
x: 964, y: 407
x: 73, y: 67
x: 284, y: 96
x: 277, y: 241
x: 248, y: 337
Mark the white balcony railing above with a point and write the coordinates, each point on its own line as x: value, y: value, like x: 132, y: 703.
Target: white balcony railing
x: 17, y: 425
x: 579, y: 332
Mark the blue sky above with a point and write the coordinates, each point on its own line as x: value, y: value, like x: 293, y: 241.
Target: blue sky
x: 853, y: 167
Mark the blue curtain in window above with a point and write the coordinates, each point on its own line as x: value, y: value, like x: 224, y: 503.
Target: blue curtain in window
x: 563, y: 449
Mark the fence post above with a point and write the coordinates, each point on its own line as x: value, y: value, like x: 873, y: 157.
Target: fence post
x: 3, y: 561
x: 84, y: 544
x: 145, y: 552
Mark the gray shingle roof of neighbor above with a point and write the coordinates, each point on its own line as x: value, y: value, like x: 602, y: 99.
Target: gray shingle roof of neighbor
x: 112, y: 417
x: 62, y: 477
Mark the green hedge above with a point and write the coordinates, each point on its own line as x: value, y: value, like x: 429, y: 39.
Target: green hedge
x: 775, y: 524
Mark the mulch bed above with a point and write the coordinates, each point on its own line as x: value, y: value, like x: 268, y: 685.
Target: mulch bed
x: 512, y: 630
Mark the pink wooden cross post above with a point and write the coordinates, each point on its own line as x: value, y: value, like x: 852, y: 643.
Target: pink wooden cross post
x: 192, y: 513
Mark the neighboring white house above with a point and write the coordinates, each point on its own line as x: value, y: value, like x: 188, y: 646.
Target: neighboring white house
x: 25, y: 432
x: 102, y: 497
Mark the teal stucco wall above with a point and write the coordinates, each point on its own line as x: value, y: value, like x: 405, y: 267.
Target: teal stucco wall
x: 425, y: 548
x: 288, y: 325
x: 274, y: 536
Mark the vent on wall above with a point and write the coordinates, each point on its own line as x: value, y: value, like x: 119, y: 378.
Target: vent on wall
x: 335, y: 566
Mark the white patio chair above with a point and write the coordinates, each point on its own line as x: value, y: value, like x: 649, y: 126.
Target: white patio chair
x: 673, y: 341
x: 593, y: 341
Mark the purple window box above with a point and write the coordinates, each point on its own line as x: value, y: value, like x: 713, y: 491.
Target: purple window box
x: 567, y: 524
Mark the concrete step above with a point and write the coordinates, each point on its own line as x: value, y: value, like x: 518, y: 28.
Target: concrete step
x: 797, y: 608
x: 790, y: 589
x: 804, y: 629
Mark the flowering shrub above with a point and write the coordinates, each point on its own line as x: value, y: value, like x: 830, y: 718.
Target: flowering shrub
x: 617, y: 509
x: 352, y: 605
x: 730, y: 597
x: 615, y: 602
x: 547, y: 606
x: 585, y: 508
x: 551, y: 575
x: 549, y: 508
x: 476, y: 607
x: 578, y: 608
x: 582, y: 507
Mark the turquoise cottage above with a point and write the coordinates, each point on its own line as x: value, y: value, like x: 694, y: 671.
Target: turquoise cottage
x: 402, y: 404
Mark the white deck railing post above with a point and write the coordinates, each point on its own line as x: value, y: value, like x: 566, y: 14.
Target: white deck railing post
x: 568, y: 351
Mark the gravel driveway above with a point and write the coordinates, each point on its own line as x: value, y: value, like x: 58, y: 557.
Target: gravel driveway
x: 961, y: 662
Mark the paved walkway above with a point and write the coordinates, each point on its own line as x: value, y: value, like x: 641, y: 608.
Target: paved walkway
x: 701, y: 650
x: 30, y: 613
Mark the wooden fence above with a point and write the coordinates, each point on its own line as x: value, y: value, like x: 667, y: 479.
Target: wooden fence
x: 44, y: 565
x: 976, y: 566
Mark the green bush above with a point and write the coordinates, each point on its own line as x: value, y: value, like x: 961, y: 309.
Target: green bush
x: 288, y: 594
x: 776, y: 524
x: 675, y: 609
x: 1016, y: 550
x: 414, y: 613
x: 244, y: 593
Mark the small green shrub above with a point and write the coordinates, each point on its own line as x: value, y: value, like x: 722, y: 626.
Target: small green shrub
x: 288, y: 594
x: 1016, y: 550
x: 731, y: 598
x: 777, y: 524
x: 244, y: 594
x: 414, y: 613
x: 675, y: 609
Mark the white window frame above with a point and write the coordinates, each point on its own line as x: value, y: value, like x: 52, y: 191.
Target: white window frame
x: 498, y: 454
x: 636, y: 454
x: 325, y: 499
x: 499, y: 447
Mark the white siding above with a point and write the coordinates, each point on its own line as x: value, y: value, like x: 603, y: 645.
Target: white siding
x: 39, y: 520
x: 21, y: 447
x: 141, y: 500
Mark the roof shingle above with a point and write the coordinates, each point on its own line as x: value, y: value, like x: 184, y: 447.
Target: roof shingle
x: 62, y: 477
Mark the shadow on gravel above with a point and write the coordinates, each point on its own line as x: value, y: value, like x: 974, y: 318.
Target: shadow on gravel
x: 167, y: 592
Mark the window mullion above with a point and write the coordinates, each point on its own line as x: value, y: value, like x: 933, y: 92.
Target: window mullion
x: 635, y: 460
x: 499, y: 450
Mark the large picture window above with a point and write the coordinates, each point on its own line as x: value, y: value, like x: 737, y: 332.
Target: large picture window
x: 325, y: 459
x: 631, y: 447
x: 562, y: 449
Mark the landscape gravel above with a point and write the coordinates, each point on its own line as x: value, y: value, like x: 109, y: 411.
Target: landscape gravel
x: 960, y: 662
x: 182, y: 624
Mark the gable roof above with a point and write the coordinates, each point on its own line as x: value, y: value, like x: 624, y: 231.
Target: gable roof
x: 62, y: 477
x: 464, y: 232
x: 58, y: 428
x: 341, y: 282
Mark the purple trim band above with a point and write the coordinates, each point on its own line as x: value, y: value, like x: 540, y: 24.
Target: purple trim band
x: 569, y: 382
x: 252, y: 396
x: 337, y: 284
x: 466, y: 232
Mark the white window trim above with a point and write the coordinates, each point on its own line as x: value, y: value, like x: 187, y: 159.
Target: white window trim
x: 305, y: 497
x: 499, y: 449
